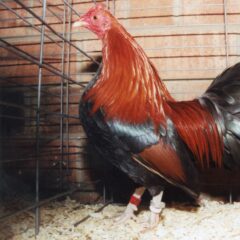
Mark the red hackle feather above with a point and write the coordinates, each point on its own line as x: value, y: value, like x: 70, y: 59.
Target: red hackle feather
x: 132, y: 92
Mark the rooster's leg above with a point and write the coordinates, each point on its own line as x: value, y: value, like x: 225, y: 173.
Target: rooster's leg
x: 132, y: 206
x: 156, y: 207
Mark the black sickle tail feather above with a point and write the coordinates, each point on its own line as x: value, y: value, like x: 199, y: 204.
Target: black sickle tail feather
x: 224, y: 95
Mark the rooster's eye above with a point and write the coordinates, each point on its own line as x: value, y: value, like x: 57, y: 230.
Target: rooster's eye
x: 95, y: 17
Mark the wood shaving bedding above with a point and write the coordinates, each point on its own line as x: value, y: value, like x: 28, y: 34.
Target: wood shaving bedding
x: 212, y: 221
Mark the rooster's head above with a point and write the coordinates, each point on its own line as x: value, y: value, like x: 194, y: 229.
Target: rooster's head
x: 97, y: 19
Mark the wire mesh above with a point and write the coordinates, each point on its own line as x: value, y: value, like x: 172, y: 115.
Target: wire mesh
x: 41, y: 145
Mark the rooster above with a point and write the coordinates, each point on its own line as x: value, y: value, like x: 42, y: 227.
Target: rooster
x: 132, y: 120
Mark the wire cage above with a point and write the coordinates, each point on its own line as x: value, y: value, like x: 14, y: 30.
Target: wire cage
x: 45, y: 65
x: 41, y: 142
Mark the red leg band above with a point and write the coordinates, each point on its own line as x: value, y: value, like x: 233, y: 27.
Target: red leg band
x: 134, y: 200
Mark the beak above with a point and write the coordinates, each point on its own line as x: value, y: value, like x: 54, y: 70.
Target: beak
x: 79, y: 23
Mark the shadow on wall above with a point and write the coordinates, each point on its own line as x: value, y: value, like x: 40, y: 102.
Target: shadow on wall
x: 93, y: 67
x: 12, y: 185
x: 11, y: 121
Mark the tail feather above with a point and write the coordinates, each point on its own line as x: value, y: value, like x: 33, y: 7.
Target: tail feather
x: 228, y: 77
x: 224, y: 93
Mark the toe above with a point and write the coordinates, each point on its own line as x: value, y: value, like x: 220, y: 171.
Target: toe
x: 125, y: 217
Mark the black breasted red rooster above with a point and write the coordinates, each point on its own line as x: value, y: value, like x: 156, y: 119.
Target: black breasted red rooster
x: 132, y: 121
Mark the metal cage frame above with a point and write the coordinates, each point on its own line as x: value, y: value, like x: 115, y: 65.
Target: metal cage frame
x: 63, y: 40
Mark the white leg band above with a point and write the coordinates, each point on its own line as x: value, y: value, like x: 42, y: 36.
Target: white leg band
x: 156, y: 204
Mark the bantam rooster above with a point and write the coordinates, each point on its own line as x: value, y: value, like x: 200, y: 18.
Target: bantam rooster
x: 132, y: 121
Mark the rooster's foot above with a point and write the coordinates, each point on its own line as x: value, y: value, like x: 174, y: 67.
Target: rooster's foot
x: 127, y: 214
x: 151, y: 222
x: 156, y: 208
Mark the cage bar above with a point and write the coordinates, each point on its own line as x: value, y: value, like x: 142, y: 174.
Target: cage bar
x: 34, y: 93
